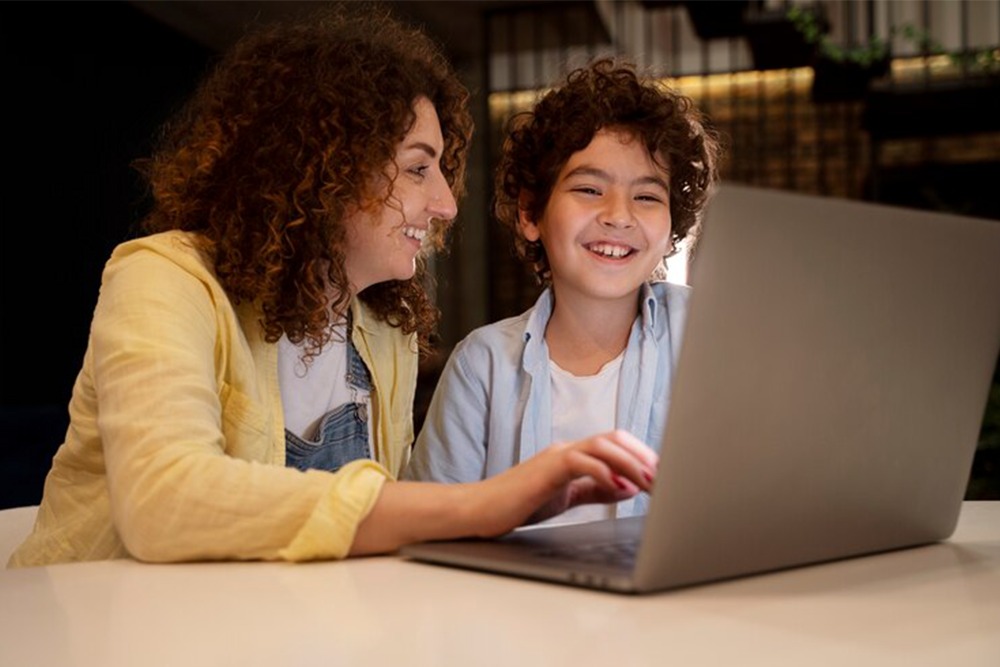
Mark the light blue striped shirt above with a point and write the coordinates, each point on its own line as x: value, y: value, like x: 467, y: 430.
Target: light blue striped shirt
x: 492, y: 406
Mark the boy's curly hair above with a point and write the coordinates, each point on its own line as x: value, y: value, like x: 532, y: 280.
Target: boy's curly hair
x: 289, y: 132
x: 605, y: 94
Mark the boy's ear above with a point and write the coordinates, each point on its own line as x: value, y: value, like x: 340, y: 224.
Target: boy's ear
x: 528, y: 227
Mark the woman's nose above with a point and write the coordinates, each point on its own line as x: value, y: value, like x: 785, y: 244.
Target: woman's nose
x: 442, y: 204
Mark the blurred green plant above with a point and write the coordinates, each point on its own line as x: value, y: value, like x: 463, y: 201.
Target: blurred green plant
x: 812, y: 27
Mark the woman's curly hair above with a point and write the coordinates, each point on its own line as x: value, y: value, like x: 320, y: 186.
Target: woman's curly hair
x: 605, y: 94
x: 289, y: 132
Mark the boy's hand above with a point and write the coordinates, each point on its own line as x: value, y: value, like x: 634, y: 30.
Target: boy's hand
x: 604, y: 468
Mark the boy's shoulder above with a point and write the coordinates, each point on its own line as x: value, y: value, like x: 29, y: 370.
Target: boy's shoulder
x: 497, y: 345
x: 499, y: 334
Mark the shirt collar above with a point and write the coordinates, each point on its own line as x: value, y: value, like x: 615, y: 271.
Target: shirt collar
x: 649, y: 307
x: 538, y: 319
x: 361, y: 317
x: 535, y: 353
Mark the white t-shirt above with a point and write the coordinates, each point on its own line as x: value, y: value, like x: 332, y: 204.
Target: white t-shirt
x: 310, y: 392
x: 583, y: 406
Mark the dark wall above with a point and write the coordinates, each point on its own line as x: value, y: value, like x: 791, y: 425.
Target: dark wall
x: 86, y: 86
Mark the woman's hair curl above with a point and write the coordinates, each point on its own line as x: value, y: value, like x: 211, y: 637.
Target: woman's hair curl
x: 283, y: 139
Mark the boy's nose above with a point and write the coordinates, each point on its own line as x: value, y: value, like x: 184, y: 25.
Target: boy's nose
x: 617, y: 213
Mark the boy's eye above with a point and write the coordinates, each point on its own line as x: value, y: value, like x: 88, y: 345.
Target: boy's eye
x: 650, y: 198
x: 587, y: 190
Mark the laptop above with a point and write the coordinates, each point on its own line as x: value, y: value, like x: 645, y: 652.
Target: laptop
x: 827, y: 400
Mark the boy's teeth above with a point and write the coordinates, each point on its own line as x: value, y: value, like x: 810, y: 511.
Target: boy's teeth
x: 609, y: 250
x: 415, y: 233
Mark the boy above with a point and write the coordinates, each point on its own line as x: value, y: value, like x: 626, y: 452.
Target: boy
x: 598, y: 185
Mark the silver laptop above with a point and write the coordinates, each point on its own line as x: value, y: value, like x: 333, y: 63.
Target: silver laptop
x: 827, y: 400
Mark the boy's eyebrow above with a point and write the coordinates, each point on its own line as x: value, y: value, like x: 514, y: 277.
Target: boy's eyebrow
x: 600, y: 173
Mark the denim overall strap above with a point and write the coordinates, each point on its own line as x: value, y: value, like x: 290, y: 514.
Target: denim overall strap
x: 342, y: 435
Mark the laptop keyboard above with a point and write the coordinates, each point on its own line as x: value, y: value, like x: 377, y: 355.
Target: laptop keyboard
x: 617, y: 554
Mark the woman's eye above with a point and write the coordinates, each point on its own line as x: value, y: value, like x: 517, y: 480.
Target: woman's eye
x: 420, y: 171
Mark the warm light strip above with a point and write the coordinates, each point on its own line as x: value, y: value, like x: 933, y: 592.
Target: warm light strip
x: 503, y: 102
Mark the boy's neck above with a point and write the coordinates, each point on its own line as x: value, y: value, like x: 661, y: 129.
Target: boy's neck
x: 583, y: 336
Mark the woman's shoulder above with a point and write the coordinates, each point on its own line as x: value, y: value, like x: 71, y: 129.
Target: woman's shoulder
x: 164, y: 266
x: 175, y: 247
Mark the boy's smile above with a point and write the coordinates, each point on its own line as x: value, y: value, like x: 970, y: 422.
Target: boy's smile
x: 607, y: 223
x: 610, y: 249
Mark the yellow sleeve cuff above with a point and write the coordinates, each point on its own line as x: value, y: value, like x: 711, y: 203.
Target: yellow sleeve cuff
x: 330, y: 529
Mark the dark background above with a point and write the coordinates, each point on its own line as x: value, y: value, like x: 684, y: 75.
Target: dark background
x: 86, y: 85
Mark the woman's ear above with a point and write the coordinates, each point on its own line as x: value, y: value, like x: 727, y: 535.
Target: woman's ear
x: 525, y: 223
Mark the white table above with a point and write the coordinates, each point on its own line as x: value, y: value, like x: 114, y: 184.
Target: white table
x: 933, y: 605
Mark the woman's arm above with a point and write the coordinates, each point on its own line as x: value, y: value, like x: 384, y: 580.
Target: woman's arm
x: 615, y: 466
x: 184, y: 430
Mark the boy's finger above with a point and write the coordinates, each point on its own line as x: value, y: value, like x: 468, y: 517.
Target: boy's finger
x: 636, y: 446
x: 621, y: 460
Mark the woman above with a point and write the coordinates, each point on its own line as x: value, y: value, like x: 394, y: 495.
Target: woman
x: 248, y: 384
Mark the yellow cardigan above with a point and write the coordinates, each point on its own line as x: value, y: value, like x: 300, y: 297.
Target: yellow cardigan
x: 176, y: 445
